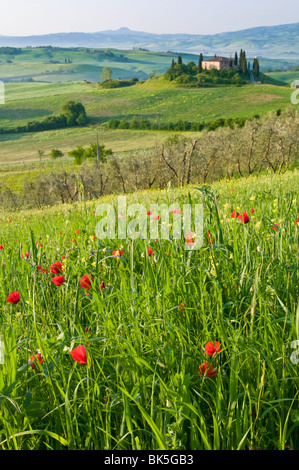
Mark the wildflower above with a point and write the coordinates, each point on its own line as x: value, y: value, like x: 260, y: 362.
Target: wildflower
x: 150, y: 251
x: 25, y: 254
x: 212, y: 348
x: 102, y: 285
x: 57, y: 268
x: 58, y: 280
x: 207, y: 369
x: 235, y: 214
x: 13, y: 298
x: 156, y: 217
x: 149, y: 212
x: 34, y: 358
x: 244, y: 218
x: 85, y: 281
x: 77, y: 232
x: 297, y: 221
x: 117, y: 253
x: 41, y: 270
x: 1, y: 247
x: 79, y: 355
x: 252, y: 210
x: 275, y: 226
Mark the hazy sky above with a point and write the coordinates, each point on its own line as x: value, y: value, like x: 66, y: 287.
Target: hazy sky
x: 30, y: 17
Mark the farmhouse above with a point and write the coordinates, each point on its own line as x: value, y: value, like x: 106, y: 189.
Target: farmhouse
x: 218, y: 63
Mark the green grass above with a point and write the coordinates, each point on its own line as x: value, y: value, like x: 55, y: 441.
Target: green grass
x: 145, y: 333
x: 154, y: 100
x: 288, y: 76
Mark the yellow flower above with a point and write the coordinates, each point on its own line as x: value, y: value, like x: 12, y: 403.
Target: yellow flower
x: 258, y: 225
x: 252, y: 198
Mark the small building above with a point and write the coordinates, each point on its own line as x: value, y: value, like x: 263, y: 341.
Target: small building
x: 218, y: 63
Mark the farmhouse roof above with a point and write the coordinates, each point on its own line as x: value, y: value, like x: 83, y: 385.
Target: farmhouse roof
x: 216, y: 59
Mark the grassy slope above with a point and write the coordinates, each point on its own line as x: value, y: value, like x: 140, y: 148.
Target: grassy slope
x: 155, y: 100
x: 288, y: 77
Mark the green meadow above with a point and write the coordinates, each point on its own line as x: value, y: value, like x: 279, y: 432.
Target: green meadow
x: 165, y: 349
x: 155, y: 100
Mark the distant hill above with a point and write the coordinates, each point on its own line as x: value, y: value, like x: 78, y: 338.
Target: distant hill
x: 280, y: 41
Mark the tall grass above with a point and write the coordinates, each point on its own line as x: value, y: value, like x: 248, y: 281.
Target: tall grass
x: 145, y: 333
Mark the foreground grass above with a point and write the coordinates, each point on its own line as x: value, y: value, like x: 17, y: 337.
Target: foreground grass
x: 145, y: 333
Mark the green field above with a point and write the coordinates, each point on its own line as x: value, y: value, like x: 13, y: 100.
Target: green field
x: 154, y: 100
x: 143, y: 333
x: 288, y: 76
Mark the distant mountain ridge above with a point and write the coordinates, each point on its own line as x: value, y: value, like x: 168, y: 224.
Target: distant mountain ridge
x: 281, y: 41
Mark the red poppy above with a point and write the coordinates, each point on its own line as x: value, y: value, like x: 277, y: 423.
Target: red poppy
x: 86, y: 281
x: 77, y: 231
x: 13, y: 298
x: 207, y: 369
x: 235, y: 214
x: 297, y: 221
x: 156, y: 217
x: 26, y: 255
x: 34, y: 358
x: 1, y: 247
x: 102, y: 285
x: 149, y: 212
x: 252, y: 210
x: 56, y: 268
x: 41, y: 270
x: 79, y: 355
x: 275, y: 226
x: 58, y: 280
x: 150, y: 251
x: 244, y: 218
x: 117, y: 253
x: 212, y: 348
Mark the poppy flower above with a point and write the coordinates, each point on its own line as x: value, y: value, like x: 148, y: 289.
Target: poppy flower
x: 85, y: 281
x: 77, y: 231
x: 102, y: 285
x: 244, y: 218
x: 150, y: 251
x: 297, y: 221
x: 156, y: 217
x: 117, y: 253
x: 25, y: 254
x: 212, y: 348
x: 79, y: 355
x: 13, y: 298
x: 34, y: 358
x: 252, y: 210
x: 149, y: 212
x: 58, y: 280
x: 275, y: 226
x: 176, y: 211
x: 56, y: 268
x: 41, y: 270
x: 1, y: 247
x: 235, y: 214
x: 207, y: 369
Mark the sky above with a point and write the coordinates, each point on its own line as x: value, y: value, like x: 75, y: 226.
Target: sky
x: 32, y: 17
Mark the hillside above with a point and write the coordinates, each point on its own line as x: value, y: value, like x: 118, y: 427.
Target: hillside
x: 280, y: 41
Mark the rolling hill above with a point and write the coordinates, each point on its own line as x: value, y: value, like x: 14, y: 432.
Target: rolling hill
x: 281, y: 41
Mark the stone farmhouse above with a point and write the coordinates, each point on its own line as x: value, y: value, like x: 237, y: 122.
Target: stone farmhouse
x: 218, y: 63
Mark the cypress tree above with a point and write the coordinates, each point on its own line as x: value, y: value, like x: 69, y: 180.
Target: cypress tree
x: 200, y: 63
x: 236, y: 59
x: 256, y: 67
x: 180, y: 60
